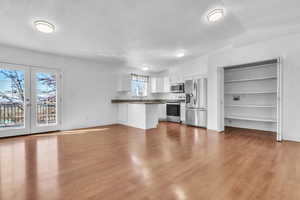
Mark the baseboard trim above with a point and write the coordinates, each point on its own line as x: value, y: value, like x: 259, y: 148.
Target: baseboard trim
x: 83, y: 127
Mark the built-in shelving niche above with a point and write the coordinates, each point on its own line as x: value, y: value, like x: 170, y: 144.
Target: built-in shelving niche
x: 250, y: 96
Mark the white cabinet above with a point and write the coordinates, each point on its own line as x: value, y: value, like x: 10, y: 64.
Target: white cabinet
x: 155, y: 82
x: 173, y: 79
x: 139, y: 115
x: 160, y: 85
x: 176, y: 79
x: 162, y: 112
x: 182, y: 111
x: 124, y: 83
x: 166, y: 84
x: 123, y: 113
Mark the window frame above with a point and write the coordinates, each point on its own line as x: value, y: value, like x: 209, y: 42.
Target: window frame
x: 141, y: 79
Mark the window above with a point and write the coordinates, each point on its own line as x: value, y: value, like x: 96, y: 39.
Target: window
x: 139, y: 85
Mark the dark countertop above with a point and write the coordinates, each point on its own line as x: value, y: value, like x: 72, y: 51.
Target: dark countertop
x: 146, y: 101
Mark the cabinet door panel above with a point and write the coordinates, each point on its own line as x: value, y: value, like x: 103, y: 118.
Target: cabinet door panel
x: 162, y: 111
x: 153, y: 84
x: 160, y: 84
x: 123, y: 113
x: 166, y: 84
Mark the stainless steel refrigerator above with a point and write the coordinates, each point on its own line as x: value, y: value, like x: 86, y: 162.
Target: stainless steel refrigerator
x: 196, y: 102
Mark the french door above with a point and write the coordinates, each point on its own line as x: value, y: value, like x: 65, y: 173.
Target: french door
x: 30, y: 100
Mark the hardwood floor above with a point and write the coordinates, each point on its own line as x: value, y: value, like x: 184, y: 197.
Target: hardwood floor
x: 171, y: 162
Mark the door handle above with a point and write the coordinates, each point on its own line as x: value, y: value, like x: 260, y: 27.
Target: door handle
x: 28, y: 102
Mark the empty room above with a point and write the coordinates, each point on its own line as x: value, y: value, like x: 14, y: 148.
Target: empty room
x: 149, y: 100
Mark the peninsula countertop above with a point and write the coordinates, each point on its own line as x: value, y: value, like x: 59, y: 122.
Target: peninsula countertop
x: 146, y: 101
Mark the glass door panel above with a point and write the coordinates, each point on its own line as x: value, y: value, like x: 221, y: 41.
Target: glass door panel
x: 45, y: 99
x: 46, y: 96
x: 14, y: 90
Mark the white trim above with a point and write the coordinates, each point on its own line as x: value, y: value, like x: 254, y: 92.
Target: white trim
x: 221, y: 108
x: 249, y: 67
x: 28, y: 65
x: 249, y: 93
x: 251, y: 106
x: 279, y: 100
x: 251, y: 119
x: 251, y: 79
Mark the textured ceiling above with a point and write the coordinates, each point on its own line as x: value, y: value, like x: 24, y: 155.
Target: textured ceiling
x: 136, y: 32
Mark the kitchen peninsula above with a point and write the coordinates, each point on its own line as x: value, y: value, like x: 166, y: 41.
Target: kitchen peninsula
x: 141, y: 114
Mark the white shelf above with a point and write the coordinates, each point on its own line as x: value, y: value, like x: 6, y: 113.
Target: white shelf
x: 266, y: 92
x: 252, y: 106
x: 251, y: 79
x: 251, y: 68
x: 258, y: 119
x: 256, y: 89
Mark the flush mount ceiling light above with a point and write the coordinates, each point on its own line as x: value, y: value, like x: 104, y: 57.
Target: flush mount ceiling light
x: 180, y: 54
x: 44, y: 26
x: 215, y: 15
x: 145, y: 68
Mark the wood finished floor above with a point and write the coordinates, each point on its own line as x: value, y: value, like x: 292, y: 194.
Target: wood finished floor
x: 171, y: 162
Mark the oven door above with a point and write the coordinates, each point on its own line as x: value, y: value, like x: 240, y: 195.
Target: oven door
x: 173, y: 112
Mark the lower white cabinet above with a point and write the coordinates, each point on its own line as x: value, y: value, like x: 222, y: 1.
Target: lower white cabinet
x: 123, y: 113
x: 182, y: 112
x: 138, y: 115
x: 162, y: 112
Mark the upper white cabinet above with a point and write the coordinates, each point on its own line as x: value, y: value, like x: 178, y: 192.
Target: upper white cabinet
x: 160, y: 84
x: 124, y: 83
x: 166, y: 83
x: 176, y: 79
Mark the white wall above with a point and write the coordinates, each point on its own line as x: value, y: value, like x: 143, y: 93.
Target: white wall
x: 88, y: 86
x: 287, y: 47
x: 247, y: 49
x: 191, y: 68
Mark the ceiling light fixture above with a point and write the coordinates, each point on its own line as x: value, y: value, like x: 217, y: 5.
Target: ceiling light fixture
x: 145, y: 68
x: 215, y: 14
x: 44, y: 26
x: 180, y: 54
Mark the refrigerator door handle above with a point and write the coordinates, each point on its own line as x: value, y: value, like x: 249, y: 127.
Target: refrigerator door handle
x: 188, y: 98
x: 196, y: 93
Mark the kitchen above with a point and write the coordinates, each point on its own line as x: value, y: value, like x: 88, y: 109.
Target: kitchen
x: 173, y: 99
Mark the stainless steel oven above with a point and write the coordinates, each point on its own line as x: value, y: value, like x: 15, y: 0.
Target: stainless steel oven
x: 173, y: 111
x: 177, y: 88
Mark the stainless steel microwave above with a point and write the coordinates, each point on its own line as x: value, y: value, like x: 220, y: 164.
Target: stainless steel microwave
x: 177, y: 88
